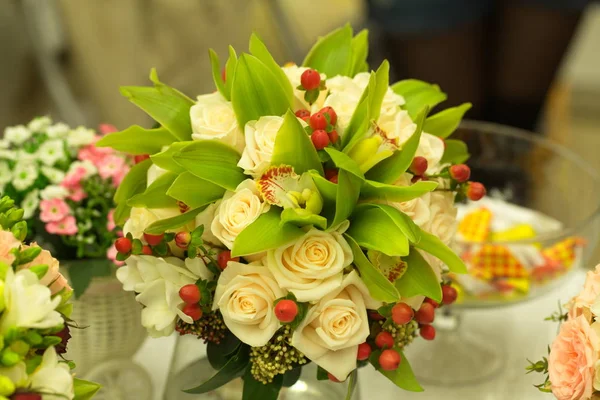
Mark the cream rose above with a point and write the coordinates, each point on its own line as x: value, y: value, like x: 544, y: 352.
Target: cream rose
x: 417, y: 209
x: 245, y: 296
x: 344, y: 95
x: 213, y: 118
x: 442, y: 223
x: 260, y: 139
x: 311, y: 266
x: 432, y: 148
x: 237, y: 210
x: 335, y: 326
x: 397, y: 125
x: 141, y: 218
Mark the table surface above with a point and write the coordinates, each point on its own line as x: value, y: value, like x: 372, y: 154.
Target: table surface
x: 522, y: 327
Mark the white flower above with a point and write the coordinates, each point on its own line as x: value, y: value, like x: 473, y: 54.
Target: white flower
x: 8, y: 154
x: 17, y: 134
x: 39, y: 124
x: 25, y: 173
x: 87, y: 165
x: 206, y: 218
x: 213, y: 118
x: 141, y: 218
x: 58, y: 130
x: 53, y: 378
x: 55, y: 176
x: 5, y: 173
x: 397, y: 126
x: 158, y: 281
x: 260, y: 140
x: 51, y: 151
x: 28, y: 303
x: 311, y: 266
x: 335, y: 326
x: 237, y: 210
x: 30, y: 203
x: 4, y: 144
x: 245, y: 296
x: 391, y: 100
x: 53, y: 192
x: 417, y: 209
x: 80, y: 136
x: 432, y: 148
x: 154, y: 172
x: 343, y: 98
x: 442, y: 222
x: 294, y: 74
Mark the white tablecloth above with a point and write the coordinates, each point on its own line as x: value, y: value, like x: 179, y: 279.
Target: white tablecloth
x: 522, y: 326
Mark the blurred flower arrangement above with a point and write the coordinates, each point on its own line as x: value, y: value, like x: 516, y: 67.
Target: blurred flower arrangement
x: 66, y: 185
x: 34, y: 319
x: 297, y: 214
x: 572, y: 367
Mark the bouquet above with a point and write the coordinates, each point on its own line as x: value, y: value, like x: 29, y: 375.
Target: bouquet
x: 572, y: 367
x: 65, y: 186
x: 34, y: 319
x: 297, y: 214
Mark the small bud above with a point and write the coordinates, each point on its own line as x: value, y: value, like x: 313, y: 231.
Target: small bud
x: 418, y: 166
x: 460, y: 173
x: 182, y: 239
x: 475, y: 191
x: 153, y: 240
x: 224, y: 257
x: 364, y: 351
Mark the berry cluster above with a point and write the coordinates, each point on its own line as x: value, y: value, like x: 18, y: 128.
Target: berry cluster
x: 321, y: 126
x: 210, y: 327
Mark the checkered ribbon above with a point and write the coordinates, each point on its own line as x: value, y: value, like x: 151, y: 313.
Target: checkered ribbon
x: 475, y: 226
x: 494, y: 261
x: 564, y: 251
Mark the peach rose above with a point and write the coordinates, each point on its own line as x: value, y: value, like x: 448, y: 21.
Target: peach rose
x: 53, y: 278
x: 573, y: 356
x: 581, y: 304
x: 7, y: 242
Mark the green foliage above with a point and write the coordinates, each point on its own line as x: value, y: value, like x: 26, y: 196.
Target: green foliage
x: 360, y: 51
x: 418, y: 279
x: 193, y: 191
x: 373, y: 228
x: 332, y: 54
x: 260, y: 51
x: 164, y: 159
x: 84, y: 390
x: 342, y: 161
x: 373, y: 190
x: 133, y: 183
x: 254, y: 389
x: 173, y: 223
x: 434, y: 246
x: 155, y: 195
x: 233, y: 368
x: 216, y: 73
x: 418, y: 94
x: 456, y: 152
x: 302, y: 217
x: 138, y: 140
x: 348, y: 190
x: 81, y: 272
x: 444, y: 123
x: 219, y: 353
x: 403, y: 376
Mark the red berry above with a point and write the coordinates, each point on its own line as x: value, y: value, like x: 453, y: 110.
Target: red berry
x: 384, y: 339
x: 449, y: 294
x: 427, y: 332
x: 333, y: 378
x: 147, y: 250
x: 426, y: 314
x: 418, y: 166
x: 333, y: 136
x: 153, y: 240
x: 334, y: 179
x: 224, y: 257
x: 310, y: 79
x: 402, y: 313
x: 475, y: 191
x: 364, y: 351
x: 26, y: 396
x: 320, y: 139
x: 460, y: 172
x: 376, y: 316
x: 303, y: 114
x: 318, y: 121
x: 182, y: 239
x: 332, y: 114
x: 434, y: 303
x: 140, y: 157
x: 190, y: 293
x: 389, y: 360
x: 123, y: 245
x: 193, y: 310
x: 330, y: 173
x: 286, y: 310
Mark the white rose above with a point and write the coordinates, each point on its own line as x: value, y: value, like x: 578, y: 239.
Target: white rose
x: 344, y: 95
x: 55, y: 176
x: 397, y: 125
x: 53, y: 377
x: 213, y: 118
x: 141, y: 218
x: 442, y: 223
x: 335, y: 326
x: 236, y: 211
x: 39, y: 124
x: 417, y: 209
x: 206, y: 218
x: 432, y: 148
x: 17, y: 134
x: 24, y: 174
x: 391, y: 100
x: 311, y: 266
x: 30, y: 203
x: 260, y: 140
x: 51, y: 151
x: 54, y: 192
x: 245, y: 294
x: 80, y: 136
x: 294, y: 74
x: 58, y: 130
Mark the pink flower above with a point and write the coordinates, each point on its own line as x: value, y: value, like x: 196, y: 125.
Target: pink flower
x: 111, y: 254
x: 53, y: 210
x: 107, y: 128
x: 572, y: 357
x: 78, y: 194
x: 94, y: 154
x: 580, y: 305
x: 66, y: 226
x: 119, y: 176
x: 111, y: 166
x: 110, y: 225
x: 53, y: 278
x: 73, y: 179
x: 7, y: 243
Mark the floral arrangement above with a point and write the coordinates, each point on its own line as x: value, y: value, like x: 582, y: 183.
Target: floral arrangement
x: 66, y: 185
x: 572, y: 367
x: 34, y: 319
x: 297, y: 214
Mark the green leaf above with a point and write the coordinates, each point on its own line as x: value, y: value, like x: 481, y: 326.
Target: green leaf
x: 213, y: 161
x: 332, y: 54
x: 138, y: 140
x: 418, y: 278
x: 434, y: 246
x: 84, y: 390
x: 408, y: 88
x: 390, y: 169
x: 403, y: 376
x: 121, y: 214
x: 380, y: 288
x: 193, y: 191
x: 352, y: 384
x: 418, y: 94
x: 256, y: 91
x: 81, y: 274
x: 219, y: 354
x: 342, y: 161
x: 372, y: 228
x: 360, y: 51
x: 167, y: 106
x: 456, y: 152
x: 255, y: 390
x: 348, y: 190
x: 234, y: 368
x: 169, y: 224
x: 291, y: 376
x: 216, y: 73
x: 373, y: 190
x: 155, y: 195
x: 230, y: 67
x: 402, y: 221
x: 265, y: 233
x: 294, y: 147
x: 260, y: 51
x: 133, y: 183
x: 165, y: 160
x: 301, y: 217
x: 444, y: 123
x: 327, y: 189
